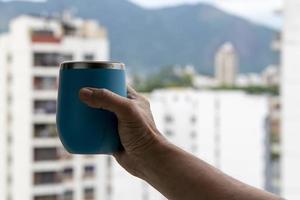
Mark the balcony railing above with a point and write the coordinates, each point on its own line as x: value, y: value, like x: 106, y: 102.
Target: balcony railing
x: 50, y: 59
x: 46, y: 178
x: 45, y: 107
x: 45, y: 83
x: 45, y: 154
x: 45, y: 131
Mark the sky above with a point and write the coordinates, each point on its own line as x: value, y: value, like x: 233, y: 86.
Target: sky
x: 260, y: 11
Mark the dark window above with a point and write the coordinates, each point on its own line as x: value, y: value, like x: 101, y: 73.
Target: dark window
x: 193, y: 134
x: 50, y: 59
x: 46, y: 197
x: 169, y: 133
x: 41, y: 178
x: 193, y: 119
x: 45, y: 131
x: 45, y: 154
x: 9, y: 58
x: 45, y: 107
x: 89, y: 171
x: 89, y: 193
x: 68, y: 195
x: 44, y: 83
x: 89, y: 56
x: 169, y: 119
x: 68, y: 173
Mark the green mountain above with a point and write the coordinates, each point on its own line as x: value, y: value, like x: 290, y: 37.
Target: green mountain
x: 146, y: 40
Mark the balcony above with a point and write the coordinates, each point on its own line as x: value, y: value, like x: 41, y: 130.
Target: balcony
x: 47, y: 197
x: 68, y: 195
x: 41, y: 59
x: 45, y: 154
x: 44, y: 36
x: 89, y: 172
x: 45, y: 131
x: 67, y: 174
x: 42, y: 107
x: 45, y: 83
x: 89, y: 194
x: 46, y: 178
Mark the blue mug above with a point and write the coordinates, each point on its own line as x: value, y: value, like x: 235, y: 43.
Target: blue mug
x: 82, y: 129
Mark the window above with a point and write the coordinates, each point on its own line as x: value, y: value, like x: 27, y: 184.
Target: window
x: 193, y: 119
x: 193, y: 134
x: 45, y: 154
x: 169, y: 119
x: 68, y: 173
x: 89, y: 56
x: 68, y: 195
x: 41, y: 178
x: 45, y: 131
x: 46, y: 197
x: 89, y: 171
x: 9, y: 58
x: 169, y: 133
x: 50, y: 59
x: 89, y: 193
x: 44, y: 83
x: 45, y: 107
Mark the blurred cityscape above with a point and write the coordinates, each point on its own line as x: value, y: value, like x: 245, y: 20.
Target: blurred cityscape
x: 246, y: 124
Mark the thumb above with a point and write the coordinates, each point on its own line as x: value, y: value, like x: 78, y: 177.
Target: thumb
x: 105, y: 99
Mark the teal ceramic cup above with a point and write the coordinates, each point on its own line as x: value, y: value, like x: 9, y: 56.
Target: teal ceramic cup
x: 82, y: 129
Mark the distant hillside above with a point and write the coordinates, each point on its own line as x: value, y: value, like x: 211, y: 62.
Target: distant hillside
x: 149, y: 39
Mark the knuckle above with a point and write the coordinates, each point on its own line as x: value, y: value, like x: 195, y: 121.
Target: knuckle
x: 132, y: 107
x: 100, y: 93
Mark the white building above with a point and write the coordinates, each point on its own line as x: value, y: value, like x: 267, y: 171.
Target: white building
x: 3, y: 122
x: 226, y: 64
x: 270, y: 76
x: 291, y: 101
x: 33, y: 164
x: 226, y: 129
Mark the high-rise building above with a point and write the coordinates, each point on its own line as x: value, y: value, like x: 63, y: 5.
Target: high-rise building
x: 3, y: 122
x: 290, y: 85
x: 226, y: 129
x: 34, y: 166
x: 226, y: 65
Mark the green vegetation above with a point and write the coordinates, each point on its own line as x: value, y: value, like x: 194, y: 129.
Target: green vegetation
x: 166, y: 78
x: 273, y: 90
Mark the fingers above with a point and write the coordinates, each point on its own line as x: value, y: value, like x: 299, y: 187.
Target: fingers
x: 105, y: 99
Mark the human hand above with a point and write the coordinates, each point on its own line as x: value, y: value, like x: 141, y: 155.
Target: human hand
x: 137, y: 129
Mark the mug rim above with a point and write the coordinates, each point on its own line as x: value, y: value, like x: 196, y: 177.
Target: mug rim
x: 92, y: 65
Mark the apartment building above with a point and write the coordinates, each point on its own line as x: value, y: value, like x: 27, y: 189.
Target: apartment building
x: 3, y: 121
x: 225, y: 128
x: 290, y: 100
x: 226, y: 65
x: 34, y: 165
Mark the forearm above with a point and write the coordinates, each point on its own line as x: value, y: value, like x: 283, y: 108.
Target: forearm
x: 180, y: 176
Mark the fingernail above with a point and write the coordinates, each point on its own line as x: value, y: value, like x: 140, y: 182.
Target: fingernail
x: 85, y: 94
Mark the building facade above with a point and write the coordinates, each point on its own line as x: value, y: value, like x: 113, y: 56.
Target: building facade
x: 35, y: 166
x: 290, y: 88
x: 3, y: 121
x: 226, y: 129
x: 213, y: 125
x: 226, y: 65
